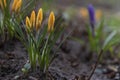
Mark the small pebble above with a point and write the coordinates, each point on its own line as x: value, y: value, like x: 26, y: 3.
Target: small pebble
x: 32, y: 78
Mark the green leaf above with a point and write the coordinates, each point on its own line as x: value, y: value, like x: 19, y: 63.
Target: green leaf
x: 108, y: 39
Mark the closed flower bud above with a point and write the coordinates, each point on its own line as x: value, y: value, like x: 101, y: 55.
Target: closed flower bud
x: 18, y: 6
x: 98, y: 15
x: 28, y: 24
x: 14, y: 5
x: 39, y: 19
x: 32, y: 18
x: 84, y: 13
x: 91, y: 12
x: 3, y: 3
x: 51, y: 22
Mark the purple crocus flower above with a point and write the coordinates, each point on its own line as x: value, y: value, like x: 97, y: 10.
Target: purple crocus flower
x: 91, y: 12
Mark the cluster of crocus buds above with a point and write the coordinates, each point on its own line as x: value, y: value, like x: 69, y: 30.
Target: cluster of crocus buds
x: 35, y: 21
x: 16, y: 5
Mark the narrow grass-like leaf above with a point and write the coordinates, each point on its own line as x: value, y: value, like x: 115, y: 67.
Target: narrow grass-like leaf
x: 109, y: 38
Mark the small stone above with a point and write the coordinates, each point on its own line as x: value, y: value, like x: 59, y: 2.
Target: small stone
x: 16, y: 77
x: 32, y: 78
x: 74, y: 64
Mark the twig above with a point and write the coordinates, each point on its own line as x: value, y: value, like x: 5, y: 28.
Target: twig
x: 98, y: 59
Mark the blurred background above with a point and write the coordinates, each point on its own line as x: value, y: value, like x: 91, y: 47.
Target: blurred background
x: 111, y: 5
x: 75, y: 9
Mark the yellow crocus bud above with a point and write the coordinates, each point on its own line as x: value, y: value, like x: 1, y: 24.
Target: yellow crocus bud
x: 51, y: 22
x: 3, y: 3
x: 98, y: 14
x: 28, y: 24
x: 18, y: 6
x: 32, y: 18
x: 14, y: 5
x: 84, y: 13
x: 39, y: 19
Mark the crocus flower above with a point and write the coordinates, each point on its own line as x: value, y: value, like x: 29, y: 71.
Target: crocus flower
x: 16, y: 5
x: 51, y: 22
x: 98, y: 15
x: 84, y: 12
x: 39, y: 19
x: 32, y: 18
x: 91, y: 12
x: 3, y: 3
x: 28, y: 23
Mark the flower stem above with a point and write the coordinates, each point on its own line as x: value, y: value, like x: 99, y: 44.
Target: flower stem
x: 98, y: 59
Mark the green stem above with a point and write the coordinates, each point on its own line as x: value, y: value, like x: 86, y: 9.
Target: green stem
x: 43, y: 54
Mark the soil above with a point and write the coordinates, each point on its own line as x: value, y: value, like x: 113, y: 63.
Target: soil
x: 72, y: 63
